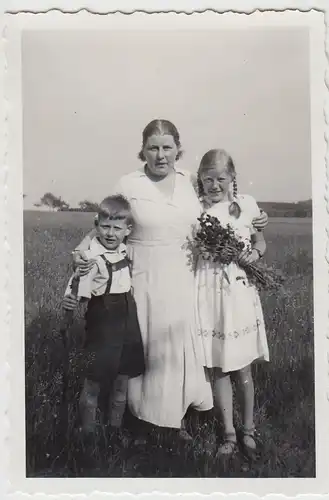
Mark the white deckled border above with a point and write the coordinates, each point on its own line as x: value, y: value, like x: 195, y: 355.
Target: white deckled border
x: 11, y: 292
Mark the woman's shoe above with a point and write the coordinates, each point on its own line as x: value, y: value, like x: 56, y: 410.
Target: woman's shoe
x: 184, y: 436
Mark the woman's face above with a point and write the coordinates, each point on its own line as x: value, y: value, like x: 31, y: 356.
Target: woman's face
x: 160, y: 152
x: 216, y: 183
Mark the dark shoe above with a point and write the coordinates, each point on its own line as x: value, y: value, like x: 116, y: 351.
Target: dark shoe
x: 140, y: 440
x: 185, y: 436
x: 229, y: 446
x: 250, y: 443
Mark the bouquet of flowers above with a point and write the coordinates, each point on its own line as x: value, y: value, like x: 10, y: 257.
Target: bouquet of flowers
x: 220, y: 244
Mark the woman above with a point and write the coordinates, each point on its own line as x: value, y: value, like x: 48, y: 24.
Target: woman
x: 164, y: 206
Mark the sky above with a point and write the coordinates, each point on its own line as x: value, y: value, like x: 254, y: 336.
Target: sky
x: 87, y: 95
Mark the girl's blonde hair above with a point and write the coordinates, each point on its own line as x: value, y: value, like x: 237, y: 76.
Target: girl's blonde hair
x: 211, y: 158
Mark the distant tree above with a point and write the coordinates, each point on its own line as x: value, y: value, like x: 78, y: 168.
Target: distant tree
x: 53, y: 202
x: 88, y: 206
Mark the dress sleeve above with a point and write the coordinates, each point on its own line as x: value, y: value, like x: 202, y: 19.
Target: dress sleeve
x: 85, y: 243
x: 252, y: 209
x: 122, y: 187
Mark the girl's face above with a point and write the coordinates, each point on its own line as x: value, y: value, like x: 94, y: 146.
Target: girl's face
x: 160, y: 152
x: 216, y: 182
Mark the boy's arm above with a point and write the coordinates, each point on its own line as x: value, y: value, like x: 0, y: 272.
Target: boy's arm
x: 85, y: 284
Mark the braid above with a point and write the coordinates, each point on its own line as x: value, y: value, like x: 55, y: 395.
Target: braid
x: 234, y: 208
x: 235, y: 188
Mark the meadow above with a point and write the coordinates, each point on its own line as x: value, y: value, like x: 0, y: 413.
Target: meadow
x: 284, y: 409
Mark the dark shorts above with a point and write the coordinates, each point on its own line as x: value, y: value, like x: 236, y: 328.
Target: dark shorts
x: 113, y: 338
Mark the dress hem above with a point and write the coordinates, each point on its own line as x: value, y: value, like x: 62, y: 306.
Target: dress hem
x: 260, y: 359
x: 167, y: 425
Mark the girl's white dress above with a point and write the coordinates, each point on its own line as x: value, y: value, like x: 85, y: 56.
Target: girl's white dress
x: 230, y: 319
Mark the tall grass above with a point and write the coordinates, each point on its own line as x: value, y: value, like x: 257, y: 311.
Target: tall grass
x: 284, y: 410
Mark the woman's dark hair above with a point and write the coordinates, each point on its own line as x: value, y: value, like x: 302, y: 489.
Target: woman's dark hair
x: 211, y: 158
x: 160, y: 127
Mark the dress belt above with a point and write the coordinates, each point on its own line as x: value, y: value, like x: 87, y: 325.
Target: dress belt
x: 156, y: 243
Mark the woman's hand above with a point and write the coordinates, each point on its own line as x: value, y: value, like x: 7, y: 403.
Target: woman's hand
x: 248, y: 257
x: 81, y: 261
x: 70, y: 302
x: 260, y: 222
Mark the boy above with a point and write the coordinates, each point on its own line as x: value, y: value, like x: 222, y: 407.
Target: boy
x: 113, y: 337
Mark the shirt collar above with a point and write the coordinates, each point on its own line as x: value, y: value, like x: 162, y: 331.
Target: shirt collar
x: 96, y: 249
x: 142, y: 173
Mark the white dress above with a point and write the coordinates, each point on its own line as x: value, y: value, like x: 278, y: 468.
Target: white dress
x: 164, y: 290
x: 229, y: 313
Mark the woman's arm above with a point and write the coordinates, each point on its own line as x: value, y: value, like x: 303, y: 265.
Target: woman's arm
x: 261, y: 221
x: 79, y: 258
x: 85, y: 243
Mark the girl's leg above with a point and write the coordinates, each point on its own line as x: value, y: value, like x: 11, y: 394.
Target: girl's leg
x: 223, y: 395
x: 245, y: 394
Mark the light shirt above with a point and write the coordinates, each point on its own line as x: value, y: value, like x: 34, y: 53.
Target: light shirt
x: 95, y: 282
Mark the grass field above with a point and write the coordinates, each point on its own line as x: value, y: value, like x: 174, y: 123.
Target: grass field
x: 284, y: 412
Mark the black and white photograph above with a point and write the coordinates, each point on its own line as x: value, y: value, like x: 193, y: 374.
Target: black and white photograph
x: 168, y: 217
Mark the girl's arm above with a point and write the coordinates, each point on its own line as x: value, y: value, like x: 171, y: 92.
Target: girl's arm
x: 258, y: 247
x: 258, y: 243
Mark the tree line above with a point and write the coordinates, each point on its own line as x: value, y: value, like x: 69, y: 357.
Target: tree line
x: 57, y: 203
x: 273, y: 209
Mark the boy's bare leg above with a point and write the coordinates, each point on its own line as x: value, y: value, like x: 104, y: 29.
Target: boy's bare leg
x: 118, y: 400
x: 88, y: 404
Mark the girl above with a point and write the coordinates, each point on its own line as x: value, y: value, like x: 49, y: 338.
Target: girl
x: 230, y: 318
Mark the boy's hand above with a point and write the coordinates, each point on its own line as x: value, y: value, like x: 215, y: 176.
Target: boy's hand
x: 80, y: 260
x: 70, y: 302
x: 248, y: 257
x: 260, y: 222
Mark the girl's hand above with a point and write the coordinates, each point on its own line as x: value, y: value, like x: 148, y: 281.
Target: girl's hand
x: 260, y: 222
x: 80, y: 260
x: 70, y: 302
x: 246, y: 257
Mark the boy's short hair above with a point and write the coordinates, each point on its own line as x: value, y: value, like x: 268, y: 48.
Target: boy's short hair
x: 115, y: 207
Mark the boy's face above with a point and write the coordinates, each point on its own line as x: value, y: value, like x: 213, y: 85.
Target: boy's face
x: 112, y: 232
